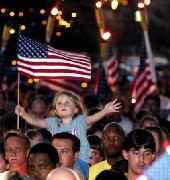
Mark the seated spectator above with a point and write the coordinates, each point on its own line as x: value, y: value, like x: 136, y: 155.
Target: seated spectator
x: 139, y: 151
x: 42, y: 159
x: 62, y: 173
x: 34, y: 136
x: 68, y: 147
x: 96, y: 149
x: 148, y: 121
x: 3, y: 161
x: 111, y: 174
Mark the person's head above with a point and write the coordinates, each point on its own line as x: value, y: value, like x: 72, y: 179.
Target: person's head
x: 139, y: 151
x: 3, y: 161
x: 67, y: 105
x: 158, y: 137
x: 96, y: 149
x: 148, y: 121
x: 42, y: 159
x: 112, y: 140
x: 38, y: 106
x: 16, y: 150
x: 110, y: 174
x: 152, y: 103
x: 68, y: 147
x: 62, y: 173
x: 34, y: 136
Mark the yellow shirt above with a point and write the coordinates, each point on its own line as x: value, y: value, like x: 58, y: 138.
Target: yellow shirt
x: 97, y: 168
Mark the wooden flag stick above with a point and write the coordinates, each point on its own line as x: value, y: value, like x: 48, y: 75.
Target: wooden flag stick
x: 18, y: 99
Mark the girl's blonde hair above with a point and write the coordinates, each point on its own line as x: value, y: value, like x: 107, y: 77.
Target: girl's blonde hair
x: 75, y: 99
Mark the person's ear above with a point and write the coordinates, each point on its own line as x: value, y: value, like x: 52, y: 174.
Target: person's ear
x: 76, y: 110
x: 125, y: 154
x: 76, y: 155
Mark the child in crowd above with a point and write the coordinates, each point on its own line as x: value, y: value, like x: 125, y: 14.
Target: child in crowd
x: 69, y: 118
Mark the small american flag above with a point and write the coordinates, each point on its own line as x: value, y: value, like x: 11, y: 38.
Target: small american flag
x: 112, y: 72
x: 38, y: 60
x: 145, y: 81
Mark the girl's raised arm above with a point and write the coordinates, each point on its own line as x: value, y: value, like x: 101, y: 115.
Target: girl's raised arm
x: 109, y: 108
x: 40, y: 123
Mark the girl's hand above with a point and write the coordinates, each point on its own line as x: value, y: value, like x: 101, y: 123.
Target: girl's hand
x: 20, y: 111
x: 112, y: 107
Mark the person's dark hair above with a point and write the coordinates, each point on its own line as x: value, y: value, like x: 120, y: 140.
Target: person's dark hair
x: 19, y: 135
x: 150, y: 118
x: 45, y: 148
x: 32, y: 133
x: 110, y: 174
x: 116, y: 127
x: 156, y: 98
x: 139, y: 138
x: 66, y: 135
x: 95, y: 143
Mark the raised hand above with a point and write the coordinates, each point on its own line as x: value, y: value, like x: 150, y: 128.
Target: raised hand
x: 20, y: 111
x: 112, y: 107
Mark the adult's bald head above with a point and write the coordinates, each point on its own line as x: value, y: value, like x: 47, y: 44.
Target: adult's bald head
x: 114, y: 127
x: 62, y: 174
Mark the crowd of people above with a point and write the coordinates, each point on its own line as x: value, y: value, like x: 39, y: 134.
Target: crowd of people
x: 72, y: 139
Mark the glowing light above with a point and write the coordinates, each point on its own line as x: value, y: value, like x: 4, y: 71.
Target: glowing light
x: 58, y: 17
x: 67, y: 25
x: 22, y: 27
x: 58, y: 33
x: 138, y: 16
x: 14, y: 62
x: 30, y: 81
x: 12, y: 13
x: 141, y: 5
x: 99, y: 4
x: 36, y: 80
x: 133, y: 101
x: 60, y: 13
x: 44, y: 22
x: 74, y: 14
x: 31, y: 10
x: 124, y: 2
x: 12, y: 31
x: 3, y: 10
x: 42, y: 11
x: 54, y: 11
x: 106, y: 35
x: 21, y: 14
x: 62, y: 22
x: 114, y: 4
x: 84, y: 85
x: 147, y: 2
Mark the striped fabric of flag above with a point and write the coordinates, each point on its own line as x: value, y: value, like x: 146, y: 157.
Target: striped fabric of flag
x: 56, y: 85
x: 38, y: 60
x: 144, y: 82
x: 112, y: 72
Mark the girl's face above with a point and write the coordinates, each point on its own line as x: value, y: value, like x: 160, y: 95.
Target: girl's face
x: 3, y: 165
x: 65, y: 107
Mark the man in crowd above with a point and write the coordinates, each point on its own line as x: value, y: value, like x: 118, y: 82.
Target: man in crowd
x: 41, y: 160
x: 16, y: 152
x: 112, y: 142
x: 139, y: 151
x: 68, y: 147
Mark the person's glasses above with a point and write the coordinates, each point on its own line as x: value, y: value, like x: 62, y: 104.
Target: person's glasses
x: 14, y: 150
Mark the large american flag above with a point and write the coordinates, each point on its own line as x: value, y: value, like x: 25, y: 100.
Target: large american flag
x: 38, y: 60
x: 145, y: 81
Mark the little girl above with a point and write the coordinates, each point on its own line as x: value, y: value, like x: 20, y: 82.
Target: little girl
x: 69, y: 118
